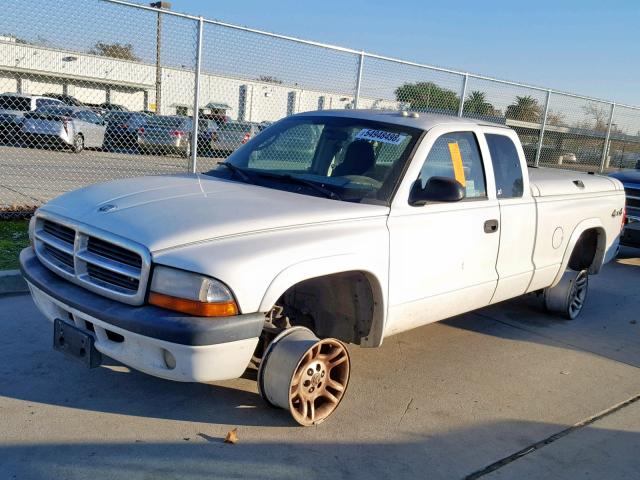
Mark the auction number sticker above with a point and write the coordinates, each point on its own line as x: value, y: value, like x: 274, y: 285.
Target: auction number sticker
x: 380, y: 136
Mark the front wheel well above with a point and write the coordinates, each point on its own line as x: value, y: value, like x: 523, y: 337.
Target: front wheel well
x: 342, y: 305
x: 588, y: 251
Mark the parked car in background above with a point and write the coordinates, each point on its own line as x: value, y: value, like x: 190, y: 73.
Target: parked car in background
x: 567, y: 157
x: 172, y: 134
x: 122, y: 128
x: 69, y: 100
x: 232, y: 135
x: 631, y: 181
x: 113, y: 107
x: 13, y: 106
x: 70, y: 127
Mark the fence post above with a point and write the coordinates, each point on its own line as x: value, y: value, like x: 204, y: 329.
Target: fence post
x: 542, y: 127
x: 196, y: 102
x: 463, y: 94
x: 356, y: 99
x: 605, y: 149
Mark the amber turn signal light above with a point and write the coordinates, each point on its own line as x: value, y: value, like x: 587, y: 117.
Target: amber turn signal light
x: 193, y: 307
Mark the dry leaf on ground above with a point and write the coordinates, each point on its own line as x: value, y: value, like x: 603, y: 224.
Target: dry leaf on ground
x: 232, y: 437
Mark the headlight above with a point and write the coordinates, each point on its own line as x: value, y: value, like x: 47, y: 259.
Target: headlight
x: 191, y: 293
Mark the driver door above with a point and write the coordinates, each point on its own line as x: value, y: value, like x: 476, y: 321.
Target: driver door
x: 443, y: 255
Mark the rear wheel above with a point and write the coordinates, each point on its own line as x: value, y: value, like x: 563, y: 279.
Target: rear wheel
x: 567, y: 298
x: 78, y: 143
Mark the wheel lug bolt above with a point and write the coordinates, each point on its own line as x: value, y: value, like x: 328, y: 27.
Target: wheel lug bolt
x: 310, y: 372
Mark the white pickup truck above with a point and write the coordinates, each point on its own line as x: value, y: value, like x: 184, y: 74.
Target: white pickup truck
x: 327, y: 228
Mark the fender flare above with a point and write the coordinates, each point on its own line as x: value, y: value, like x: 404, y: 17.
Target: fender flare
x: 589, y: 223
x: 319, y: 267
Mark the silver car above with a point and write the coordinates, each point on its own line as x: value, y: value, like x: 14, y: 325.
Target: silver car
x: 74, y: 127
x: 232, y: 135
x: 168, y: 133
x: 172, y: 134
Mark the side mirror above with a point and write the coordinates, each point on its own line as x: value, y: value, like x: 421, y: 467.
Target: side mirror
x: 437, y: 189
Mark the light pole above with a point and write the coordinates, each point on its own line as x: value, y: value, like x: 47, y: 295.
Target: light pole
x: 160, y: 6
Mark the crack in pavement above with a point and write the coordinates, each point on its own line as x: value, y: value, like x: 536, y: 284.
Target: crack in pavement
x: 552, y: 438
x: 556, y: 436
x: 405, y: 411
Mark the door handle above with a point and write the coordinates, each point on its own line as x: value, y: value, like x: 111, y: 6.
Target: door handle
x: 491, y: 226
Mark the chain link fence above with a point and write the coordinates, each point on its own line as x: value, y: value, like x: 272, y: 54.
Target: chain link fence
x: 96, y: 90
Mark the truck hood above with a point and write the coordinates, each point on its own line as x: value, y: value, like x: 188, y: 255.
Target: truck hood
x: 163, y: 212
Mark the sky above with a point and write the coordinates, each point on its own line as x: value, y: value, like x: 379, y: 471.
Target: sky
x: 585, y: 47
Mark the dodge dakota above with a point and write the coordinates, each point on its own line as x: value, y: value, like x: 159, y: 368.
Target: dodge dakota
x: 328, y: 228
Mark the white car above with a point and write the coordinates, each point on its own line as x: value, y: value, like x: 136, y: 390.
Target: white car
x: 13, y: 106
x: 327, y: 228
x: 66, y: 127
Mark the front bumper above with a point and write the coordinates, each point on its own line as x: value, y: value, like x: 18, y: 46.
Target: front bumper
x: 204, y: 349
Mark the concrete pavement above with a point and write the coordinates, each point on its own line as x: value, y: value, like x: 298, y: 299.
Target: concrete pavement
x: 443, y: 401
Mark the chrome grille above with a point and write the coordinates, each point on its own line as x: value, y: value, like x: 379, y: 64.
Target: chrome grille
x: 112, y: 279
x: 633, y: 197
x: 65, y: 259
x: 59, y: 231
x: 114, y: 252
x: 98, y: 261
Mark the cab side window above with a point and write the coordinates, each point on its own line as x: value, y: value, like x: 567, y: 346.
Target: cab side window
x: 456, y: 155
x: 506, y: 166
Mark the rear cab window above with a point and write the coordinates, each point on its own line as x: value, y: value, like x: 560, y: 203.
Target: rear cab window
x: 456, y: 155
x: 46, y: 102
x: 506, y: 166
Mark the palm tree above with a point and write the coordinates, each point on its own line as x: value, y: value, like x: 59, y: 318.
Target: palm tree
x: 526, y: 109
x: 476, y: 103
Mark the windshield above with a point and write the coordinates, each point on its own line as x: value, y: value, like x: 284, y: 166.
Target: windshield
x: 56, y: 111
x: 237, y: 126
x: 352, y: 159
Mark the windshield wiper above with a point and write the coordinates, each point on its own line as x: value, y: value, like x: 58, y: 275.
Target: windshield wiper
x: 290, y: 178
x: 238, y: 171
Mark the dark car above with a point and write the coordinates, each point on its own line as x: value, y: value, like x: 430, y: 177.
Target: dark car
x: 110, y: 107
x: 172, y: 134
x: 631, y: 181
x: 122, y: 129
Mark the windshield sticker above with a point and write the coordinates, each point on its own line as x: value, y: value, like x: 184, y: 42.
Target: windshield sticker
x: 380, y: 136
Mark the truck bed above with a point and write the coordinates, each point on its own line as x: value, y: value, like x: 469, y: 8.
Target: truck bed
x: 547, y: 182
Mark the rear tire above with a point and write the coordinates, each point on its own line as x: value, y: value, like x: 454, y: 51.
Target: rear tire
x: 78, y: 143
x: 567, y: 298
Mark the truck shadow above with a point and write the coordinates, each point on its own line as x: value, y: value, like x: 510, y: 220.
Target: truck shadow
x: 609, y: 325
x: 452, y: 454
x: 30, y: 370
